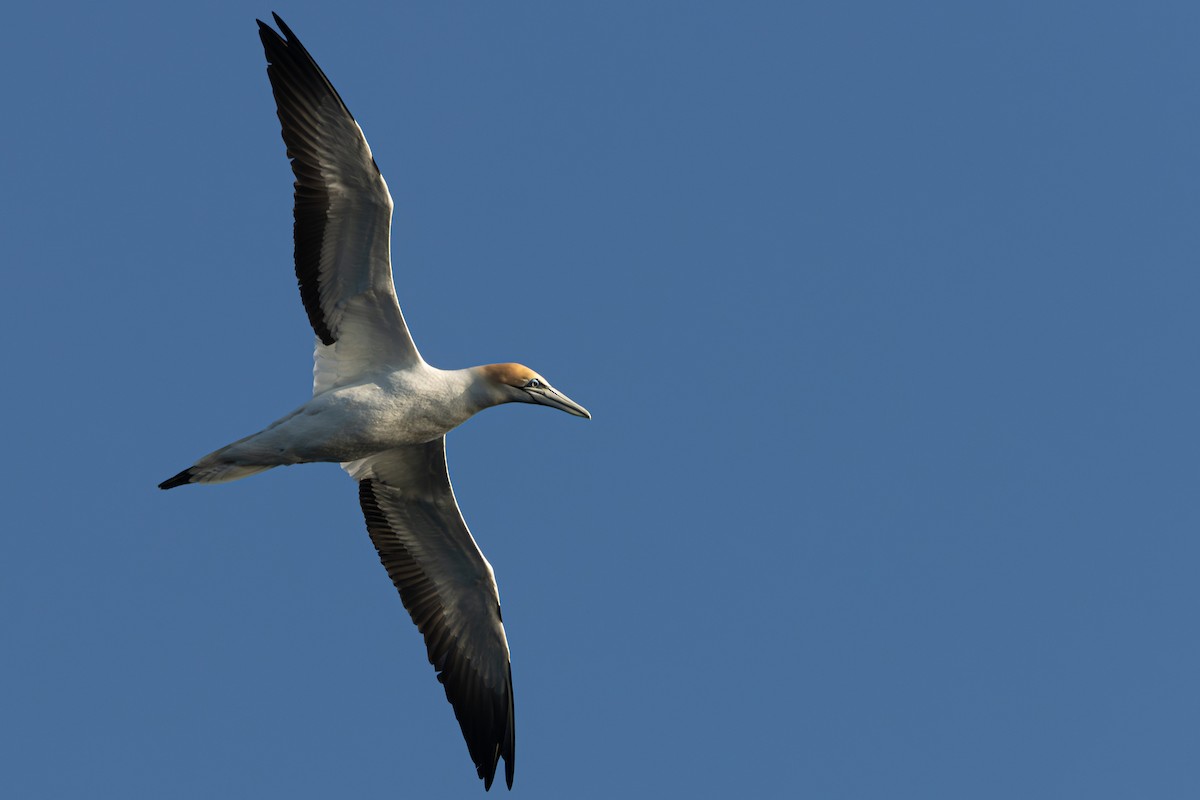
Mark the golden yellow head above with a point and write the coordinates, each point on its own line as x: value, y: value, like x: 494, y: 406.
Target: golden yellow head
x: 518, y: 383
x: 512, y: 374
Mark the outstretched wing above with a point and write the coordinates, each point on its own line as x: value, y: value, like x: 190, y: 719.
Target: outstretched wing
x: 449, y: 589
x: 343, y: 221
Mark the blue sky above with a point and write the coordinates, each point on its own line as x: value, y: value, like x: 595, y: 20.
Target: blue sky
x: 886, y: 313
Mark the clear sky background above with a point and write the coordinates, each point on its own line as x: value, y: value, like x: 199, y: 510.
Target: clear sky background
x: 886, y: 312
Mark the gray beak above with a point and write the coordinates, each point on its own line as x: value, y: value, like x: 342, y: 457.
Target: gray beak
x: 549, y: 396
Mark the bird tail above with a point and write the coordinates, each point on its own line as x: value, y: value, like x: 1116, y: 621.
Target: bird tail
x: 213, y: 473
x: 219, y: 466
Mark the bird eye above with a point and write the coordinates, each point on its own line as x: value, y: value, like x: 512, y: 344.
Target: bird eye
x: 534, y: 383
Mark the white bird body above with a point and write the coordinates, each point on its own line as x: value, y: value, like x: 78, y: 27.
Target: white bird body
x: 399, y: 407
x: 380, y: 410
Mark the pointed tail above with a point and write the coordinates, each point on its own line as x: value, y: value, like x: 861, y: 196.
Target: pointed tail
x: 178, y: 480
x: 210, y: 470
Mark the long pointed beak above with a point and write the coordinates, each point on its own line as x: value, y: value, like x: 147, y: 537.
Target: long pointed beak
x: 549, y: 396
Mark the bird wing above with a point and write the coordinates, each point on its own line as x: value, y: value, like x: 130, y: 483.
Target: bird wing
x: 448, y: 588
x: 343, y: 217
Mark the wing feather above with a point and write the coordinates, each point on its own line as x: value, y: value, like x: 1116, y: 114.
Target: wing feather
x: 343, y: 217
x: 448, y: 588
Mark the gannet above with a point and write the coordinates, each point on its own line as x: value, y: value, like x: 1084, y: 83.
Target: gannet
x: 379, y: 410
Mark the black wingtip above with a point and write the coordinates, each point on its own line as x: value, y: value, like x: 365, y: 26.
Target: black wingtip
x: 300, y: 87
x: 287, y: 37
x: 269, y: 34
x: 182, y: 478
x: 284, y: 29
x: 489, y: 775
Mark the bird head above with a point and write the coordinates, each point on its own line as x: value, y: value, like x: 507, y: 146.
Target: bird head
x: 517, y: 383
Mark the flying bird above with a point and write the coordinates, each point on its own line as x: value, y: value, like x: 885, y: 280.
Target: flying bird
x: 379, y: 410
